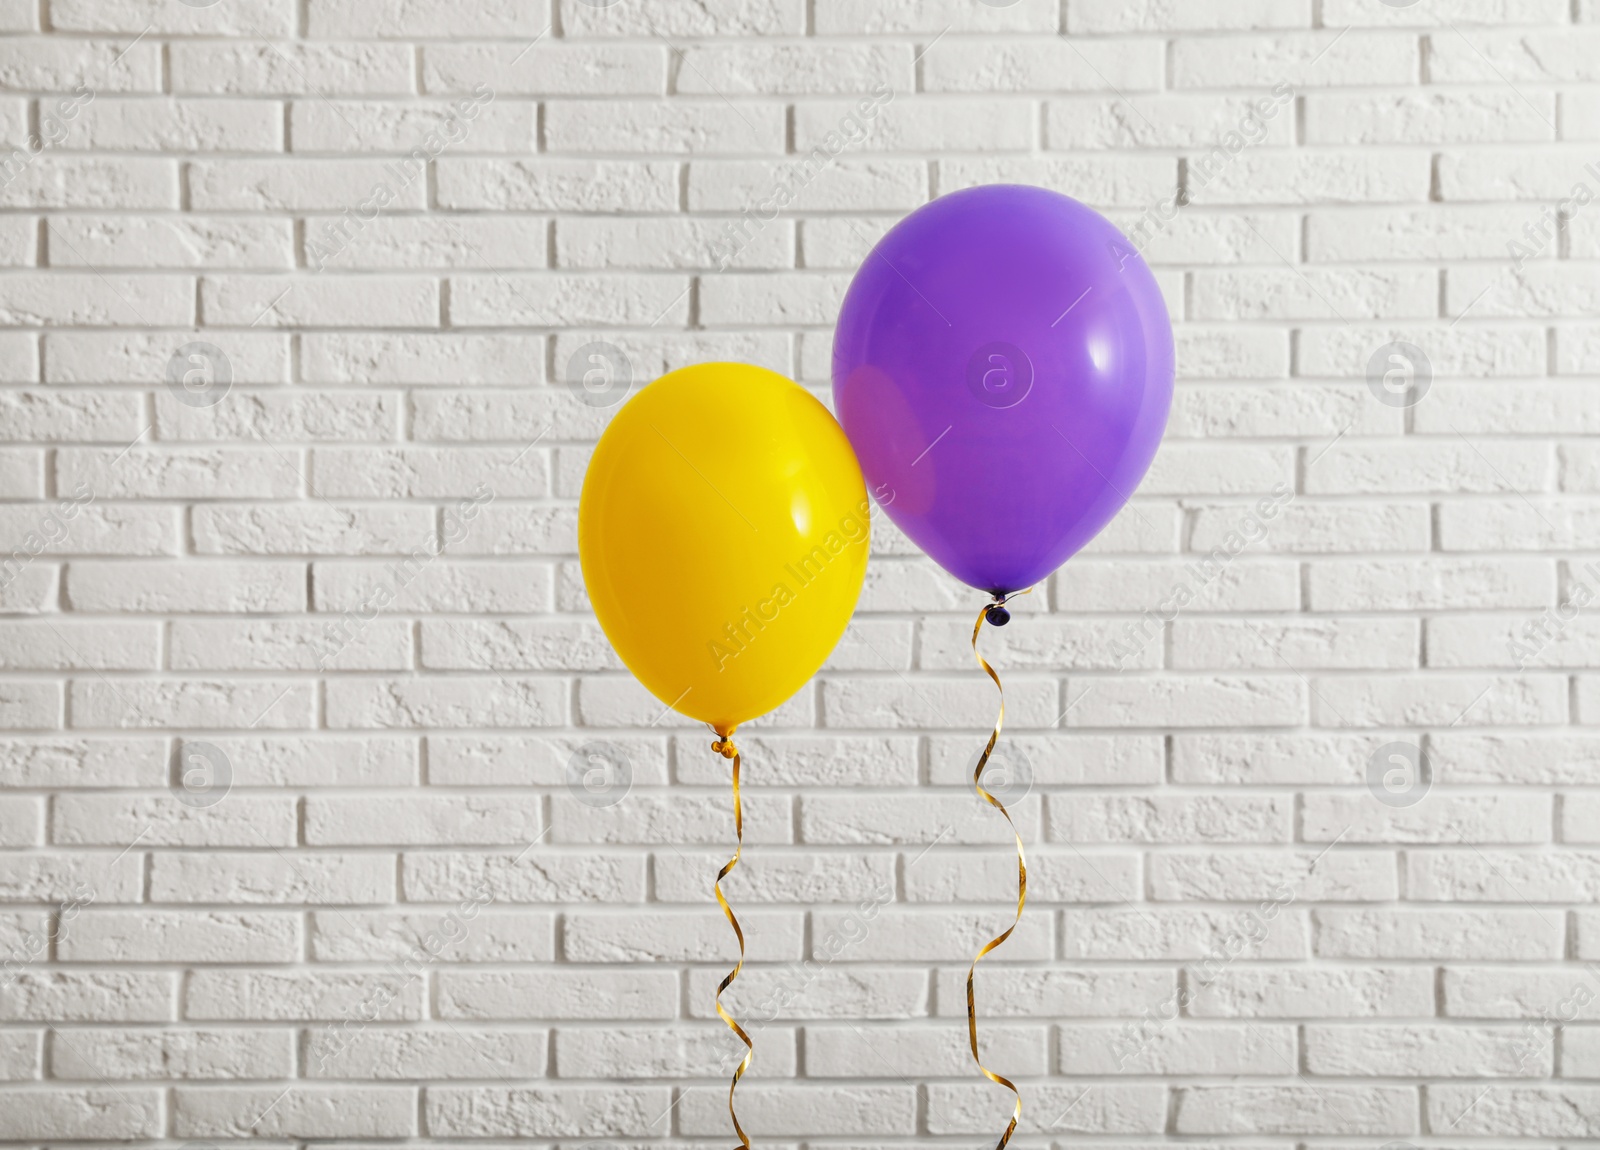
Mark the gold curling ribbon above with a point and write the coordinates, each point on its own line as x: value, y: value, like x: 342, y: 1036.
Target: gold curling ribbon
x: 724, y: 747
x: 1022, y: 880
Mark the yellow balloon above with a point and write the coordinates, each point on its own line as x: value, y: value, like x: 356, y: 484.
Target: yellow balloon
x: 723, y: 532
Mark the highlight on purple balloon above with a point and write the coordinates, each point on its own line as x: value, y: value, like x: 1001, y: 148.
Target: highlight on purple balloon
x: 1003, y: 366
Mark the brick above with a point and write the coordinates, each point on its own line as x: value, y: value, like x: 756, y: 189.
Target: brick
x: 172, y: 473
x: 1338, y: 643
x: 1105, y: 16
x: 940, y: 877
x: 734, y: 18
x: 178, y: 125
x: 1496, y: 757
x: 418, y: 242
x: 808, y: 761
x: 1437, y: 818
x: 1289, y: 1109
x: 547, y: 68
x: 251, y: 18
x: 669, y: 1052
x: 89, y: 996
x: 495, y: 760
x: 874, y: 125
x: 1531, y: 700
x: 1515, y: 641
x: 465, y: 933
x: 303, y: 877
x: 324, y: 301
x: 1498, y: 935
x: 301, y: 996
x: 370, y: 820
x: 1472, y: 876
x: 1342, y: 876
x: 1382, y: 177
x: 699, y: 127
x: 667, y: 243
x: 115, y: 820
x: 1084, y: 1107
x: 1187, y: 1050
x: 401, y: 20
x: 440, y: 876
x: 941, y: 704
x: 558, y: 994
x: 182, y: 936
x: 382, y: 1055
x: 1439, y: 584
x: 925, y: 819
x: 686, y: 819
x: 34, y: 63
x: 1339, y: 992
x: 301, y: 1112
x: 92, y: 357
x: 1132, y: 818
x: 1517, y: 1111
x: 213, y: 587
x: 1303, y: 59
x: 1441, y: 117
x: 849, y: 1052
x: 557, y: 185
x: 421, y: 358
x: 49, y: 299
x: 1043, y: 64
x: 1205, y: 702
x: 776, y: 1111
x: 111, y: 878
x: 485, y: 301
x: 79, y: 762
x: 526, y: 1111
x: 1220, y: 411
x: 1131, y: 181
x: 199, y: 703
x: 414, y: 583
x: 93, y: 1112
x: 1529, y: 56
x: 268, y: 68
x: 1178, y: 934
x: 38, y: 646
x: 1438, y: 231
x: 372, y: 703
x: 107, y: 1055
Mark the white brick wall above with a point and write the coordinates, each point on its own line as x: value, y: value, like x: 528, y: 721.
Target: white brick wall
x: 300, y: 689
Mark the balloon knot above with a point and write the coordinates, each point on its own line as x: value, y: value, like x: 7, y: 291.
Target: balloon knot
x: 725, y: 748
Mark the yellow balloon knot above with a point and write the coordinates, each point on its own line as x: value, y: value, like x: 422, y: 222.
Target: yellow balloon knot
x: 725, y: 748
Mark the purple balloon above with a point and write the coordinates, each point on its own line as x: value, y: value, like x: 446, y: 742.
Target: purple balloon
x: 1003, y: 366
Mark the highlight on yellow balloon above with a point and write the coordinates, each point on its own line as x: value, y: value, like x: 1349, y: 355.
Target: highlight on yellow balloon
x: 723, y: 531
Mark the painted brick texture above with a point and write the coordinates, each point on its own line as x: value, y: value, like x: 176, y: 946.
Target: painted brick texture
x: 329, y: 818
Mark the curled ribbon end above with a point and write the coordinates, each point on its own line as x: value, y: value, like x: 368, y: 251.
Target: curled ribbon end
x: 724, y: 747
x: 997, y: 615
